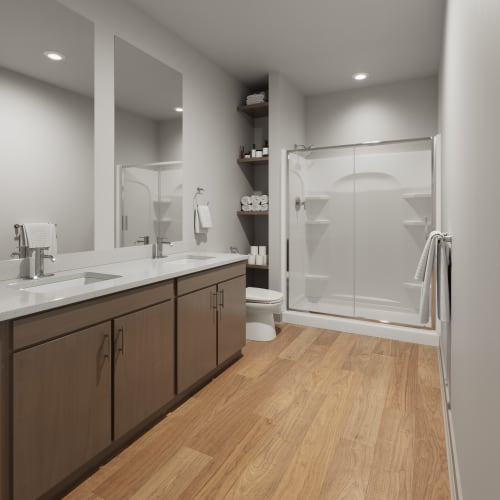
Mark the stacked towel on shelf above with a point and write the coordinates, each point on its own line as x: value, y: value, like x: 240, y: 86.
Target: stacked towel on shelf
x: 255, y: 203
x: 436, y: 251
x: 256, y: 98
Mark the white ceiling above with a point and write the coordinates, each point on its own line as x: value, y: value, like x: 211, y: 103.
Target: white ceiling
x: 318, y: 44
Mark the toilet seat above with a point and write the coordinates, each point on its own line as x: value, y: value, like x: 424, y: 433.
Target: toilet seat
x: 263, y: 296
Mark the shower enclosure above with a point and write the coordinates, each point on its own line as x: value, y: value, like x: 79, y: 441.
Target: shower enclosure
x: 149, y: 203
x: 358, y: 218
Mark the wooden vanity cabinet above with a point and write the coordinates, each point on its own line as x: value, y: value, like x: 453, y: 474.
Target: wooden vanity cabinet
x: 143, y: 365
x: 231, y: 325
x: 61, y: 408
x: 210, y: 321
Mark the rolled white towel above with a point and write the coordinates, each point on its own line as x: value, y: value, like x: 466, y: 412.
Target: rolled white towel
x: 255, y: 207
x: 246, y: 200
x: 246, y: 208
x: 255, y: 199
x: 264, y: 198
x: 264, y: 207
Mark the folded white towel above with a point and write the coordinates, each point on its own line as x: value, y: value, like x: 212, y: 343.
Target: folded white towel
x: 41, y: 235
x: 246, y: 208
x: 264, y: 198
x: 264, y: 207
x: 255, y: 199
x: 420, y: 272
x: 204, y: 216
x: 255, y: 207
x: 246, y: 200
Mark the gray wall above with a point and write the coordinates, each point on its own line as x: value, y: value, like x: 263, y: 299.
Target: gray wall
x: 400, y: 110
x: 470, y: 122
x: 46, y: 157
x: 286, y: 127
x: 213, y: 129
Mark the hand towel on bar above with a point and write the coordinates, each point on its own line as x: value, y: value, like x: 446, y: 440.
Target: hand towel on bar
x: 443, y: 282
x: 41, y: 235
x: 204, y: 216
x: 197, y: 226
x: 419, y: 273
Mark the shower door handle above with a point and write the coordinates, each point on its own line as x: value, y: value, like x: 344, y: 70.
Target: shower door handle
x: 299, y: 203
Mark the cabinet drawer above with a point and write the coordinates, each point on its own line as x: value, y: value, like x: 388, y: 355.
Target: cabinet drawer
x: 208, y: 278
x: 48, y: 325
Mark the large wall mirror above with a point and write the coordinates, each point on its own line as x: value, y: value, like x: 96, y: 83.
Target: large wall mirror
x: 46, y: 122
x: 148, y: 148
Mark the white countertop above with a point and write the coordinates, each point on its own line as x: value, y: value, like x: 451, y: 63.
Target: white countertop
x: 15, y: 302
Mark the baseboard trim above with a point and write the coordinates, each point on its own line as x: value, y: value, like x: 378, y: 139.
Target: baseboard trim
x: 373, y: 329
x: 453, y: 473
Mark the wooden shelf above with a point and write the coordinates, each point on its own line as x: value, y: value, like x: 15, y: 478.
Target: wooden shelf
x: 255, y: 266
x: 253, y: 212
x: 255, y: 110
x: 253, y: 161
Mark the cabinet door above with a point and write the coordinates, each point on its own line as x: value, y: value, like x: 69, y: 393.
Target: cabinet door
x: 61, y: 408
x: 232, y: 318
x: 196, y: 336
x: 144, y: 365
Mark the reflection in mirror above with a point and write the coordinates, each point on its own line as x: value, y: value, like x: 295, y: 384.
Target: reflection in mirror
x: 148, y: 148
x: 46, y: 122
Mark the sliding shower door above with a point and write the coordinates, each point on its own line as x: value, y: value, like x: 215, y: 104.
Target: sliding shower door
x: 393, y: 207
x: 358, y: 220
x: 321, y: 231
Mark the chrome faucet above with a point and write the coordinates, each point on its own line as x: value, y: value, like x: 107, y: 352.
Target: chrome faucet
x: 158, y: 248
x: 39, y: 263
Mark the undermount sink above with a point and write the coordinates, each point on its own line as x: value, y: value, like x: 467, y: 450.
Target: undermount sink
x: 58, y: 283
x: 188, y: 259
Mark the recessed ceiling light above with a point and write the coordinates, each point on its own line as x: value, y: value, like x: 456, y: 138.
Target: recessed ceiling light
x: 360, y: 76
x: 179, y: 110
x: 54, y: 56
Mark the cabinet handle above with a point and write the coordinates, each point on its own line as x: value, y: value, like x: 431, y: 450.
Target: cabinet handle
x: 213, y: 300
x: 122, y: 343
x: 221, y: 298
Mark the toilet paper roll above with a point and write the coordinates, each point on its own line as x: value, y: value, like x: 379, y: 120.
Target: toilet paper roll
x: 260, y: 260
x: 254, y: 250
x: 251, y: 259
x: 262, y: 250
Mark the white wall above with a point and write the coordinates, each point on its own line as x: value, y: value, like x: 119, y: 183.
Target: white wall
x: 286, y: 127
x: 401, y: 110
x: 46, y: 157
x: 212, y: 127
x: 471, y: 177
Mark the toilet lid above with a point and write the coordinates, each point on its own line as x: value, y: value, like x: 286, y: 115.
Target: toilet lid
x: 263, y: 295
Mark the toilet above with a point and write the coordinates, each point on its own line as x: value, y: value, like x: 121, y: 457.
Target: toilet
x: 262, y: 305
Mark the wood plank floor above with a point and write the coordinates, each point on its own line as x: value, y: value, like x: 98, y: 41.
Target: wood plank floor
x: 315, y: 414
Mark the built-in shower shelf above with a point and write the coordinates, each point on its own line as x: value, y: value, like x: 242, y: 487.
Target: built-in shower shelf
x: 163, y: 201
x: 164, y: 220
x: 413, y: 285
x: 416, y: 195
x: 316, y: 277
x: 317, y: 197
x: 415, y: 222
x: 317, y: 222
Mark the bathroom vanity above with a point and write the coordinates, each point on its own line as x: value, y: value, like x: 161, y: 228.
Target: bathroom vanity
x: 87, y: 367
